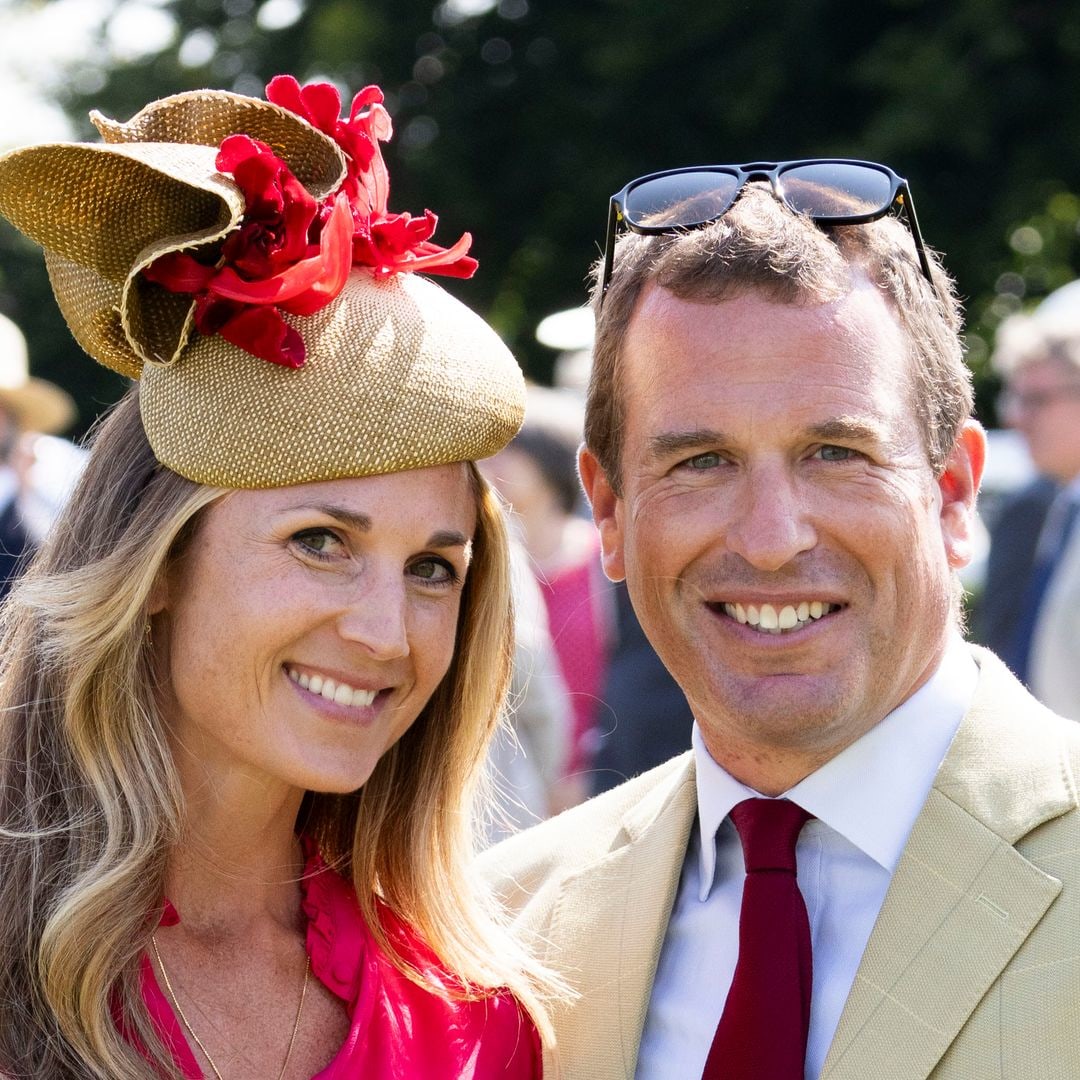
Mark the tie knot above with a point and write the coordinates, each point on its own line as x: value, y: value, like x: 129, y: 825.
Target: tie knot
x: 769, y: 830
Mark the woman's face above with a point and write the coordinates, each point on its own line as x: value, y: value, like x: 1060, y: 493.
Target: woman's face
x: 306, y: 627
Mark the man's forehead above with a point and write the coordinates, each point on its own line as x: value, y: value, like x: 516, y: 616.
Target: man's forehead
x: 862, y: 320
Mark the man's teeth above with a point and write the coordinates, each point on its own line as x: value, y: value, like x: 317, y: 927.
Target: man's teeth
x: 341, y: 693
x: 769, y: 620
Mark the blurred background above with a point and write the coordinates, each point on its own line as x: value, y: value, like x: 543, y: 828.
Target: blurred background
x: 516, y: 119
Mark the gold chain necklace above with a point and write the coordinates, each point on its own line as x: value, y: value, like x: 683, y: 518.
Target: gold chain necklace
x: 191, y: 1031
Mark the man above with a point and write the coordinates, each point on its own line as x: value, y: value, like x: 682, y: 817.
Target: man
x: 1030, y: 611
x: 782, y: 466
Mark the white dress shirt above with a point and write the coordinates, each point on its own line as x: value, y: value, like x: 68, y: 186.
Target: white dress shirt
x: 865, y: 801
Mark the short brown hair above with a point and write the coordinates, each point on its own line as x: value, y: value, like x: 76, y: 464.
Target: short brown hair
x: 759, y: 244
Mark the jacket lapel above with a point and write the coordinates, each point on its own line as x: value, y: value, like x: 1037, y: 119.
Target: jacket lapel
x: 614, y: 913
x: 963, y: 899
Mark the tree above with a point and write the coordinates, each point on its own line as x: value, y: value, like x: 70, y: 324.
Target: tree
x: 517, y: 122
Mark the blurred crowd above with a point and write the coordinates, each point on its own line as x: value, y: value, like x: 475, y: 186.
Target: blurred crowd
x: 37, y: 468
x: 1028, y: 610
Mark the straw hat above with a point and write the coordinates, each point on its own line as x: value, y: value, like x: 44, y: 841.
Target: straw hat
x: 38, y: 405
x: 237, y: 256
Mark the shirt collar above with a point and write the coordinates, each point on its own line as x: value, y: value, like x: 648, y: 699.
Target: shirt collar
x: 872, y: 791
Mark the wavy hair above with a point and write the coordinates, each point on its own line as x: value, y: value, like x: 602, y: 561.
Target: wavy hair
x: 91, y: 805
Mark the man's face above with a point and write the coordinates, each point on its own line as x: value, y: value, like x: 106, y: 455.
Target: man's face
x: 785, y: 542
x: 1043, y: 403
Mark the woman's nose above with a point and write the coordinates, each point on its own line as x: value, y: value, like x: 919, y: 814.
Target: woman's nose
x: 376, y: 615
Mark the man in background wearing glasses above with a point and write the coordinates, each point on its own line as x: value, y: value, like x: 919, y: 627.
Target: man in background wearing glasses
x: 1030, y: 611
x: 868, y: 867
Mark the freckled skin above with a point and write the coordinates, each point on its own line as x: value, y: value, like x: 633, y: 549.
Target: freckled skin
x: 771, y: 453
x: 253, y: 595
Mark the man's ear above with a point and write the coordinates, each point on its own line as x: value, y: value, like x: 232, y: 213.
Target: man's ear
x: 959, y: 484
x: 607, y: 512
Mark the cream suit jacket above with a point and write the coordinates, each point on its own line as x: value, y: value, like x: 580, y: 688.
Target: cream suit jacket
x: 972, y: 971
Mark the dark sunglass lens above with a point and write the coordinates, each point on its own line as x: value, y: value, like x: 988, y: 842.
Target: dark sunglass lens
x: 681, y: 199
x: 836, y: 189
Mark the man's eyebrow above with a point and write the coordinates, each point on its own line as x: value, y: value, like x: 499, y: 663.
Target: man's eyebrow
x: 676, y: 442
x: 846, y: 428
x: 850, y: 429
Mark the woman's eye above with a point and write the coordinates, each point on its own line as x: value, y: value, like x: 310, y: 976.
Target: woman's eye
x: 434, y: 571
x: 321, y: 543
x: 837, y: 453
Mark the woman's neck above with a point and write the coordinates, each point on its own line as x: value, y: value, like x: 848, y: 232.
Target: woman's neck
x: 239, y: 860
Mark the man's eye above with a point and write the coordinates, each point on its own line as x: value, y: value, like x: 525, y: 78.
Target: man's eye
x: 700, y: 462
x: 837, y: 453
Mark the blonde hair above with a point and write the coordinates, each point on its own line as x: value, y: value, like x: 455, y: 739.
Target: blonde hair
x: 91, y: 805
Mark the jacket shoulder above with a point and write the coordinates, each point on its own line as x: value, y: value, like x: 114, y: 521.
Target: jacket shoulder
x: 522, y: 868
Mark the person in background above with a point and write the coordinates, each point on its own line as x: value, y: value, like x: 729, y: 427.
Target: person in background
x: 528, y: 754
x: 249, y: 681
x: 28, y: 406
x: 1029, y: 611
x: 868, y: 865
x: 537, y: 475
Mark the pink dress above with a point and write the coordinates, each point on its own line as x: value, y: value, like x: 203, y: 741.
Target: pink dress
x: 398, y: 1029
x: 573, y: 597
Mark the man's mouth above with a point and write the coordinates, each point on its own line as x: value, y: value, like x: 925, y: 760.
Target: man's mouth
x: 779, y: 618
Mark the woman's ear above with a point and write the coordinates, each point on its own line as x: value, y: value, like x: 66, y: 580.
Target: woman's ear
x: 159, y: 594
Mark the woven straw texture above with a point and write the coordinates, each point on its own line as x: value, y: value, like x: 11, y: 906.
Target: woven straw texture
x: 399, y: 375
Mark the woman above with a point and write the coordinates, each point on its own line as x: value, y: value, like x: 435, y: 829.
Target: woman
x: 248, y: 683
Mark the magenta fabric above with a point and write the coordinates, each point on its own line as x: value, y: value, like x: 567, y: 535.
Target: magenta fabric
x: 578, y: 635
x: 766, y: 1019
x: 398, y: 1028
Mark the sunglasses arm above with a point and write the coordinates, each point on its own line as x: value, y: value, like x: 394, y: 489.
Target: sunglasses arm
x: 916, y: 235
x: 609, y: 249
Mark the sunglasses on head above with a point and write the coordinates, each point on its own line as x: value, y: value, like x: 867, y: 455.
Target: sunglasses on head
x: 830, y: 191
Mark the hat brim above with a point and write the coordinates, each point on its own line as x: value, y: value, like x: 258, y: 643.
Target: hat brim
x: 39, y: 405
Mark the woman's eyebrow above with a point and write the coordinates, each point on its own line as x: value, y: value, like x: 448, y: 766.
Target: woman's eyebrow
x: 441, y: 538
x: 353, y: 518
x: 445, y: 538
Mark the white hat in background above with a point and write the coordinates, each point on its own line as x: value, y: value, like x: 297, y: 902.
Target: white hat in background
x: 1062, y: 303
x: 38, y: 405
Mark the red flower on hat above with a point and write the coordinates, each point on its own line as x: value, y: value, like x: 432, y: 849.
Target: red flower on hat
x: 388, y: 243
x: 283, y: 257
x: 293, y: 254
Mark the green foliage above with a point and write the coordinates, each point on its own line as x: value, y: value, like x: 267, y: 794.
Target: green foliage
x: 518, y: 123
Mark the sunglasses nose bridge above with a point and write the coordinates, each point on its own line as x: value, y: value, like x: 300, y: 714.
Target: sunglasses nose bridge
x: 760, y: 172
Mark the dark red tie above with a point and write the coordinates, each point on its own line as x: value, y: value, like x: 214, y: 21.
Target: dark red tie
x: 762, y: 1032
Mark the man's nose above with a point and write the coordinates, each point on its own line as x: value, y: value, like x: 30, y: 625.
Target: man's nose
x: 376, y: 615
x: 770, y: 521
